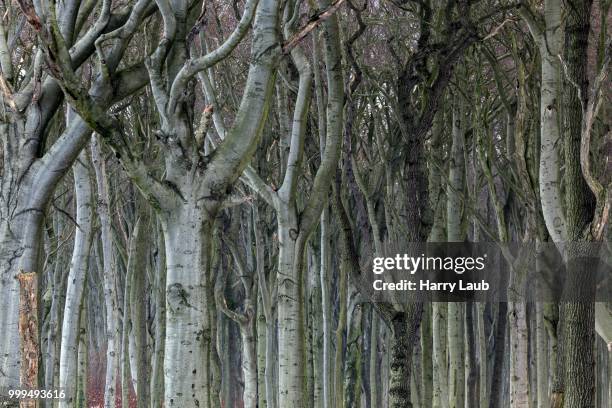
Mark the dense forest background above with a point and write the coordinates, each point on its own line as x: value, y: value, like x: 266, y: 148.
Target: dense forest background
x: 189, y: 192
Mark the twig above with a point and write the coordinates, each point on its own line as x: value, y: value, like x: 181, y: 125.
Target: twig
x: 314, y: 21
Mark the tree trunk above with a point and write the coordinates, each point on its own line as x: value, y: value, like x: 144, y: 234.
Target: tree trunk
x: 403, y: 335
x: 53, y: 343
x: 551, y: 320
x: 271, y: 364
x: 28, y: 332
x: 455, y: 233
x: 126, y: 327
x: 190, y: 309
x: 577, y: 318
x: 497, y: 385
x: 261, y: 354
x: 542, y: 358
x: 110, y: 277
x: 353, y: 366
x: 482, y: 357
x: 440, y: 368
x: 549, y: 43
x: 138, y: 260
x: 325, y: 272
x: 519, y: 373
x: 159, y: 295
x: 375, y: 372
x: 456, y: 355
x: 83, y: 360
x: 578, y: 344
x: 249, y: 365
x: 471, y: 366
x: 316, y: 317
x: 291, y: 336
x: 10, y: 245
x: 427, y: 357
x: 341, y: 333
x: 76, y: 282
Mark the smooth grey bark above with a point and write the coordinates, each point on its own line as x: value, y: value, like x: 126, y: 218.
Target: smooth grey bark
x: 325, y: 277
x: 159, y: 296
x: 456, y: 355
x: 542, y: 358
x: 440, y: 367
x: 109, y: 274
x: 316, y: 324
x: 426, y: 356
x: 83, y: 359
x: 483, y: 359
x: 455, y: 233
x: 137, y: 260
x: 341, y: 334
x: 261, y: 354
x: 125, y: 360
x: 55, y: 323
x: 75, y: 286
x: 519, y: 375
x: 548, y: 36
x: 324, y: 239
x: 189, y: 321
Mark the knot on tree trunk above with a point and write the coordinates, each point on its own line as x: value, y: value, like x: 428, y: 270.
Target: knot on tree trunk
x: 177, y: 298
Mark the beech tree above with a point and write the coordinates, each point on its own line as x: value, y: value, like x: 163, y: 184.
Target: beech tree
x: 193, y: 193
